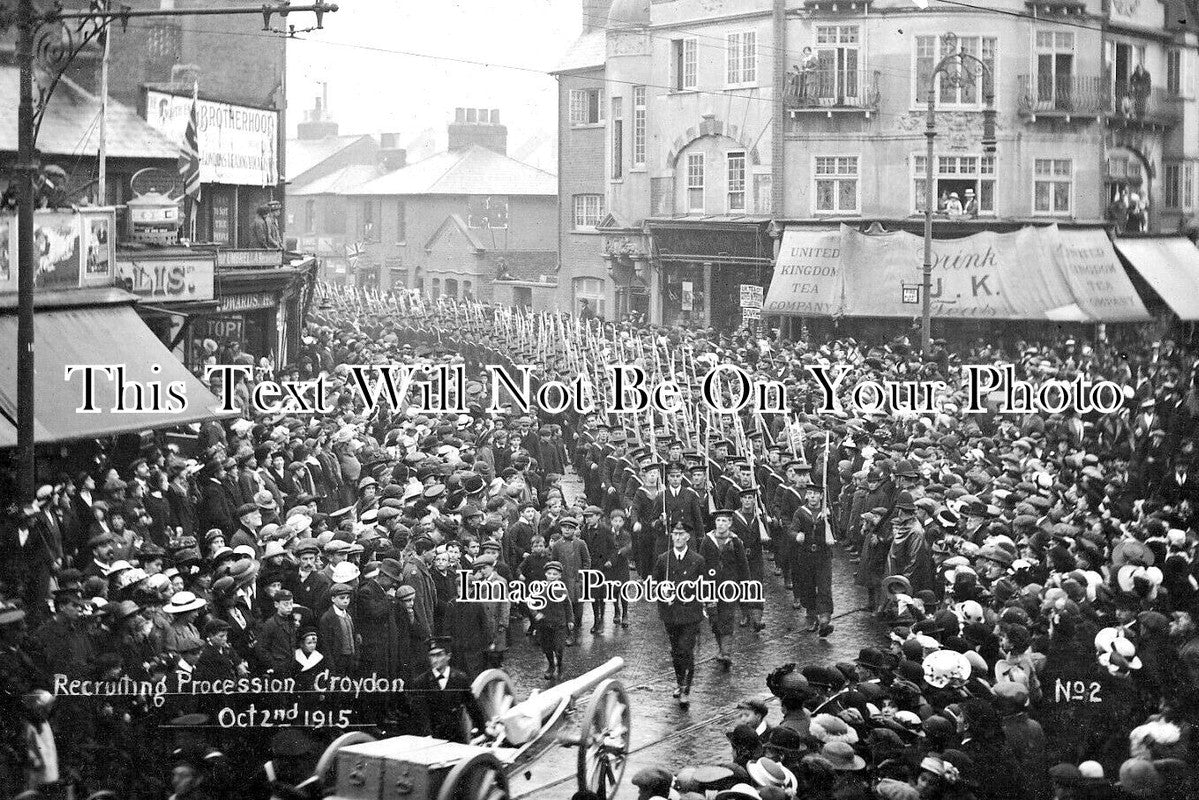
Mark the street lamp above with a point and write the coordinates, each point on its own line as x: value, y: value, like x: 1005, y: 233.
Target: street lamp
x: 959, y: 68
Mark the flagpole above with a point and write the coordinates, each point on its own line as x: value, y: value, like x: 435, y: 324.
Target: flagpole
x: 102, y: 183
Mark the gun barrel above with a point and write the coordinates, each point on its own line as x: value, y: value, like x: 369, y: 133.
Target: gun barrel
x: 524, y: 720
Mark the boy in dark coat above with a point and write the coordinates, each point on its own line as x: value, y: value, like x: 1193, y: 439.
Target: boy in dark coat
x: 555, y: 622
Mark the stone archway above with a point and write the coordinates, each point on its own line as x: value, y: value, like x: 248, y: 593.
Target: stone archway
x: 710, y: 126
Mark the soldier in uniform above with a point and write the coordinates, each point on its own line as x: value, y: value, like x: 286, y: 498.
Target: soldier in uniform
x: 724, y: 562
x: 750, y: 528
x: 647, y: 511
x: 682, y: 504
x: 811, y: 561
x: 788, y: 499
x: 699, y: 485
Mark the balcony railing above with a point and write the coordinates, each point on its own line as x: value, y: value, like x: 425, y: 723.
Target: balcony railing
x: 832, y: 90
x: 1095, y: 96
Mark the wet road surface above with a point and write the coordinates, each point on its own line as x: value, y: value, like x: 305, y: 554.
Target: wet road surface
x: 662, y: 733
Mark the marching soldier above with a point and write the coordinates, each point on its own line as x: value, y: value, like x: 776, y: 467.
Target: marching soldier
x: 699, y: 485
x: 788, y: 499
x: 724, y: 562
x: 811, y: 561
x: 682, y: 503
x: 750, y: 528
x: 648, y: 511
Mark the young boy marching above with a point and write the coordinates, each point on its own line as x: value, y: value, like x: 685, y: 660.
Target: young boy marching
x: 556, y: 621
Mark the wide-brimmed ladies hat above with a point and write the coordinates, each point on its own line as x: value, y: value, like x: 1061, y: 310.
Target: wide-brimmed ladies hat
x: 842, y: 756
x: 182, y: 602
x: 768, y: 772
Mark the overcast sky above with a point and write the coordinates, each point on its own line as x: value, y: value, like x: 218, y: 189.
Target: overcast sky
x: 372, y: 90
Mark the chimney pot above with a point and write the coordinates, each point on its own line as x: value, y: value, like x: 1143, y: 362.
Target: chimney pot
x: 495, y: 116
x: 460, y: 115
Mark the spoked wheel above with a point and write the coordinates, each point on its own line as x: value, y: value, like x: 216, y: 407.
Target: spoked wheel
x: 493, y: 690
x: 604, y: 739
x: 324, y: 774
x: 479, y: 778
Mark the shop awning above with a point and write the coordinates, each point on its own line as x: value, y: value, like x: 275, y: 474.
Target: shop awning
x: 97, y: 335
x: 1031, y: 273
x: 8, y: 433
x: 1171, y: 266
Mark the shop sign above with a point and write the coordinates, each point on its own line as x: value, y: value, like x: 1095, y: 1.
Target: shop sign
x: 1031, y: 273
x: 751, y: 295
x: 249, y: 258
x: 245, y: 302
x: 167, y: 279
x: 223, y: 329
x: 238, y: 144
x: 219, y: 330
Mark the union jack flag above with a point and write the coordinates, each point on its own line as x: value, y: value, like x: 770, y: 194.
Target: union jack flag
x: 189, y: 154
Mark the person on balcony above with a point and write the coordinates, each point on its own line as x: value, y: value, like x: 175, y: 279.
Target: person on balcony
x: 1139, y: 83
x: 808, y: 82
x: 970, y: 207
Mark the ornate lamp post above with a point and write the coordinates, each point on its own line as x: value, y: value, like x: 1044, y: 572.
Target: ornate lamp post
x: 47, y: 43
x: 956, y: 69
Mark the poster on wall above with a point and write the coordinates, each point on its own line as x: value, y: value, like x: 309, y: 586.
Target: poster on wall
x: 7, y: 257
x: 57, y: 250
x: 97, y: 265
x: 687, y: 301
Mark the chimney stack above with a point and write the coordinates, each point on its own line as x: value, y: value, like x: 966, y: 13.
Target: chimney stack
x: 391, y: 156
x: 595, y: 15
x: 478, y: 126
x: 317, y: 125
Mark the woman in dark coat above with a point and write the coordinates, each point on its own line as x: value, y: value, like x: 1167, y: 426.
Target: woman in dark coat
x: 464, y: 624
x: 876, y: 545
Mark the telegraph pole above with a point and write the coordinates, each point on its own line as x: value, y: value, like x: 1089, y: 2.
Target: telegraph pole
x: 27, y: 170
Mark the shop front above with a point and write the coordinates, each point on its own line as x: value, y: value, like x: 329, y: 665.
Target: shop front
x: 700, y: 266
x: 174, y: 284
x: 627, y: 254
x: 261, y: 309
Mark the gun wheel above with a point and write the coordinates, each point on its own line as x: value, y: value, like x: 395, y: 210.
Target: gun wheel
x: 604, y: 739
x: 493, y: 690
x: 478, y: 778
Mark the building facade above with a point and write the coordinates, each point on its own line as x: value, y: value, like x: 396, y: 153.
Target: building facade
x: 719, y: 116
x: 470, y: 222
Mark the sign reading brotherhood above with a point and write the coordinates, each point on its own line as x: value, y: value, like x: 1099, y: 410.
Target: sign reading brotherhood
x: 1031, y: 273
x: 238, y: 144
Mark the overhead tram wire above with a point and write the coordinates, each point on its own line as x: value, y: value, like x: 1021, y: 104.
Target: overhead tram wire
x: 613, y: 81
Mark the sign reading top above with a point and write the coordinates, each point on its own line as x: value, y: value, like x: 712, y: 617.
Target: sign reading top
x: 238, y: 144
